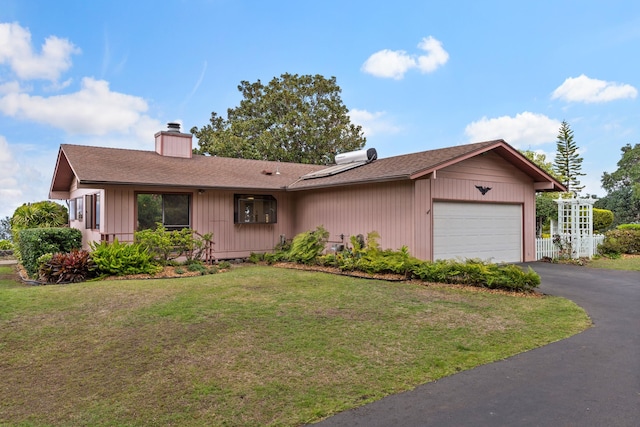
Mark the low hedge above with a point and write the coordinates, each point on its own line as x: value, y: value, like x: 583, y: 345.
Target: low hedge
x: 369, y: 258
x: 35, y: 242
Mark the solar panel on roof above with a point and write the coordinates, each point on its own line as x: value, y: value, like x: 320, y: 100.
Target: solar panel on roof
x: 332, y: 170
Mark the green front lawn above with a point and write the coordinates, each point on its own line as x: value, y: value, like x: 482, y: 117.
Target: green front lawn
x: 254, y: 346
x: 625, y: 262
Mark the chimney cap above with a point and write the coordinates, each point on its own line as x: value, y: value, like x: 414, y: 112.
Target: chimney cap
x: 173, y: 127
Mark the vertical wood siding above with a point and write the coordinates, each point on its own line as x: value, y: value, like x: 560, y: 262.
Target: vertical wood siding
x: 385, y: 207
x: 508, y: 185
x: 211, y: 212
x: 423, y: 224
x: 400, y: 211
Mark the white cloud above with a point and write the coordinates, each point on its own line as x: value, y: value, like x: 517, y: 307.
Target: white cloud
x: 395, y: 63
x: 435, y: 57
x: 94, y: 110
x: 373, y: 123
x: 24, y: 175
x: 522, y: 131
x: 16, y: 50
x: 588, y: 90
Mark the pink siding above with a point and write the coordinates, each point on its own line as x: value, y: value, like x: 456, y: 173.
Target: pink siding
x: 119, y: 211
x: 385, y: 207
x: 508, y: 185
x: 400, y: 211
x: 212, y: 212
x: 173, y: 145
x: 423, y: 206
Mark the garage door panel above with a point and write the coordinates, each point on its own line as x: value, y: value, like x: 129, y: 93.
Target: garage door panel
x: 477, y: 230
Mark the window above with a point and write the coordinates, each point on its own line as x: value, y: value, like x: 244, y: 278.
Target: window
x: 75, y: 209
x: 255, y: 209
x: 92, y: 218
x: 79, y: 209
x: 72, y: 210
x: 173, y: 211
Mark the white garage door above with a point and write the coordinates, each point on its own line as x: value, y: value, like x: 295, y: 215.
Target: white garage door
x: 490, y: 232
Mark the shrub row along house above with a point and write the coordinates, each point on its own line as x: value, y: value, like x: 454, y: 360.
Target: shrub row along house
x: 468, y: 201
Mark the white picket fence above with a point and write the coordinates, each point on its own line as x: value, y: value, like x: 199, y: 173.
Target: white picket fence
x: 587, y: 247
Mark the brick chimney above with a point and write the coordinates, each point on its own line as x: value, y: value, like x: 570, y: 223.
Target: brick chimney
x: 173, y: 143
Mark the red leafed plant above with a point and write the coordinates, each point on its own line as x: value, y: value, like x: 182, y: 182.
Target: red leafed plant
x: 72, y: 267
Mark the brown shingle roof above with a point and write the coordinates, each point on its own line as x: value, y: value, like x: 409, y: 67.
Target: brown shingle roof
x: 398, y: 167
x: 101, y: 166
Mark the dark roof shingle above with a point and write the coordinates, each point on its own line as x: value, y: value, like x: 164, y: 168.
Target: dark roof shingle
x: 113, y: 166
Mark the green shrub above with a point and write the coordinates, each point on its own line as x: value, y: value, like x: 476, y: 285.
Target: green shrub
x: 165, y: 246
x: 6, y: 245
x: 602, y: 219
x: 122, y: 259
x: 72, y: 267
x: 478, y: 273
x: 366, y: 256
x: 628, y: 227
x: 224, y: 265
x: 197, y: 266
x: 306, y: 247
x: 621, y: 241
x: 255, y: 258
x: 34, y: 242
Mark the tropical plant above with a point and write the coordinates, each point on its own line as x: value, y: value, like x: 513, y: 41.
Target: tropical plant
x: 306, y: 247
x: 72, y: 267
x: 39, y: 215
x: 122, y: 259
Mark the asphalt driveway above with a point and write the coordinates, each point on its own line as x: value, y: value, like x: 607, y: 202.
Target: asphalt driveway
x: 590, y: 379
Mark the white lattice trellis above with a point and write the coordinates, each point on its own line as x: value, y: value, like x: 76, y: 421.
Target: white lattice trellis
x: 575, y: 227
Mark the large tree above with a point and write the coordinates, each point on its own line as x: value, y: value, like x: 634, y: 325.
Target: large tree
x: 293, y: 118
x: 623, y: 187
x: 568, y: 163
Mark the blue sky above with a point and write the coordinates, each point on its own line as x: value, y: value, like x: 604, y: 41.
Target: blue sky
x: 417, y: 75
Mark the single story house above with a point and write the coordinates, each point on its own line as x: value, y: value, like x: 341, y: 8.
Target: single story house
x: 468, y: 201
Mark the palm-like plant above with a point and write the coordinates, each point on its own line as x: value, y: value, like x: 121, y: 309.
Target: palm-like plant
x: 39, y: 214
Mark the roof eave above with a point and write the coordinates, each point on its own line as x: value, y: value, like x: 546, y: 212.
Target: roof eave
x: 62, y: 171
x: 347, y: 183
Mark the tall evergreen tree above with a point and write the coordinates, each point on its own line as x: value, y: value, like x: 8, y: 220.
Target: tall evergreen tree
x: 568, y: 163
